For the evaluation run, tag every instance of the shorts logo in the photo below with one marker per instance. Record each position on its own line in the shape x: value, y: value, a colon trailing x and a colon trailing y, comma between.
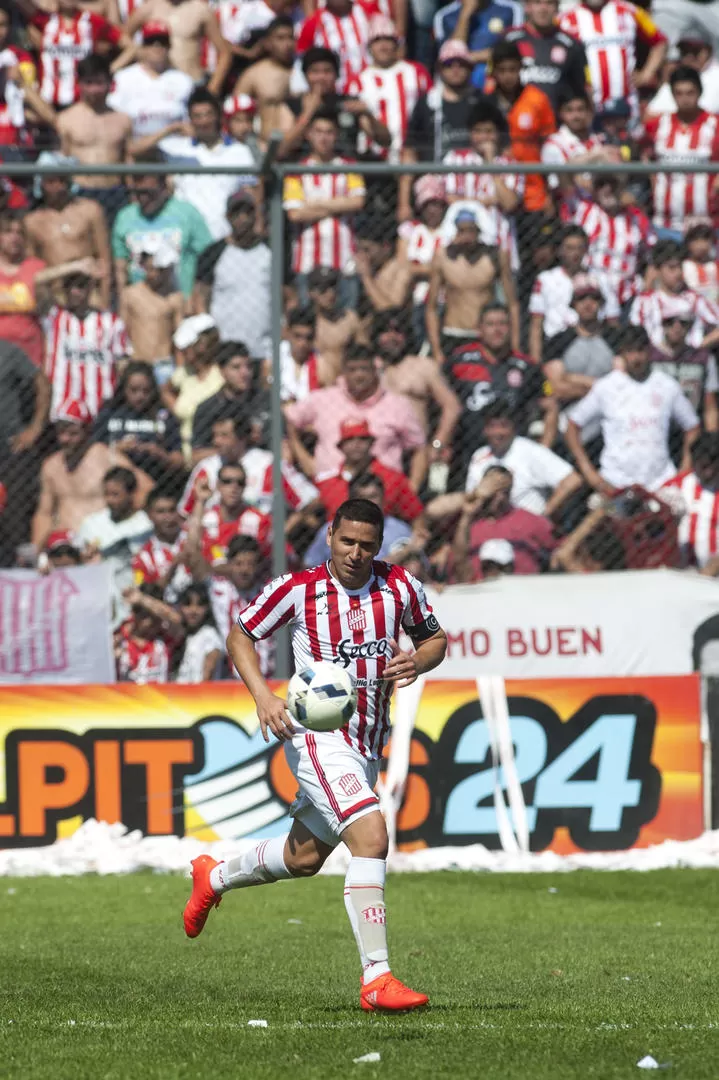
x: 356, y: 619
x: 350, y: 784
x: 376, y: 915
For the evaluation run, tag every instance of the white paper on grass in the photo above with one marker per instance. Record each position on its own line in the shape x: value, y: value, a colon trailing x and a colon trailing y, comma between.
x: 648, y: 1062
x: 367, y: 1058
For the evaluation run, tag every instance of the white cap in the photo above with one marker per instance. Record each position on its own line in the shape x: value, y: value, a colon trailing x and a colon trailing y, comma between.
x: 497, y: 551
x: 189, y: 330
x: 162, y: 254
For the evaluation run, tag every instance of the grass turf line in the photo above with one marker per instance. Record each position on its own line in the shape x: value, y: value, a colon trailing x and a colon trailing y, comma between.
x: 523, y: 982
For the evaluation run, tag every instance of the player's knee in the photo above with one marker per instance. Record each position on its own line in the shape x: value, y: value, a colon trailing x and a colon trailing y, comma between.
x: 369, y: 839
x: 302, y: 863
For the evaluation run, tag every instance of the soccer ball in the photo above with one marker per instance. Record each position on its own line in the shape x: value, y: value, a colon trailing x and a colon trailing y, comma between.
x: 322, y: 697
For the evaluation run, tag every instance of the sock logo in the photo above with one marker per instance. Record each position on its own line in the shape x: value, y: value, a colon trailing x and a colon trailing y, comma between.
x: 377, y: 915
x: 350, y: 784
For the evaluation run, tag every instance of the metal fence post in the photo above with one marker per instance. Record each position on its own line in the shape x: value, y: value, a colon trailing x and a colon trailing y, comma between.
x: 279, y: 558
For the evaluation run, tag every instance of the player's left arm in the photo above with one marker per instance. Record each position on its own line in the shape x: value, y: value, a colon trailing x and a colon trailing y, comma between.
x: 429, y: 639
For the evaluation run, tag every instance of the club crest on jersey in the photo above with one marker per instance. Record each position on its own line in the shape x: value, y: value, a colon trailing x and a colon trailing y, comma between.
x: 350, y: 784
x: 357, y: 619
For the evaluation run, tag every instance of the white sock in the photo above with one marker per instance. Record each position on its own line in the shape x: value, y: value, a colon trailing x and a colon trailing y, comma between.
x: 260, y: 866
x: 364, y: 900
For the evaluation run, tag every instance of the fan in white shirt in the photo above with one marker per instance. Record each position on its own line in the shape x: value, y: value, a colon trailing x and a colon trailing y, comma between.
x: 541, y: 479
x: 151, y: 93
x: 635, y: 408
x: 697, y: 53
x: 203, y: 646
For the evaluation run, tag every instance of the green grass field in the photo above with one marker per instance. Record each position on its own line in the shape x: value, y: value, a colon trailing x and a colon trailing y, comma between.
x: 97, y: 979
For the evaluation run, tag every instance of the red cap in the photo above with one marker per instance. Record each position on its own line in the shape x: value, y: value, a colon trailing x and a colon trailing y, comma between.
x: 73, y: 412
x: 60, y: 538
x: 354, y: 429
x: 155, y: 29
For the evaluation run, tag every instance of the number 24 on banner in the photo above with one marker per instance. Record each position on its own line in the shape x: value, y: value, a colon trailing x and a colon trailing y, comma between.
x: 591, y: 774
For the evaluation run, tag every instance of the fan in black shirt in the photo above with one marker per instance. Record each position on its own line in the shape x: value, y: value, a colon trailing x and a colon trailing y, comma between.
x: 552, y: 60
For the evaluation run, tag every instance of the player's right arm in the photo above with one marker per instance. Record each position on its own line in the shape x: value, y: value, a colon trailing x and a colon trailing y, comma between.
x: 271, y: 709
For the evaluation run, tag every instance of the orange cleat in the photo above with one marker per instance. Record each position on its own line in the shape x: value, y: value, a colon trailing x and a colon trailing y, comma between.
x: 203, y: 897
x: 387, y: 994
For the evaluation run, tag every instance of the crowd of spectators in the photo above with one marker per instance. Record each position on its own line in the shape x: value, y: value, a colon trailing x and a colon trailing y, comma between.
x: 519, y: 369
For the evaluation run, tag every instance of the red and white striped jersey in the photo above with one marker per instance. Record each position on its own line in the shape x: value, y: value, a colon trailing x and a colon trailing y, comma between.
x: 615, y: 243
x: 651, y: 307
x: 82, y: 355
x: 217, y: 534
x: 478, y: 185
x: 609, y: 37
x: 699, y: 525
x: 66, y: 41
x: 127, y: 7
x: 703, y: 278
x: 255, y: 462
x: 678, y: 196
x: 296, y: 383
x: 562, y: 147
x: 551, y: 298
x: 227, y: 606
x: 141, y: 662
x: 152, y: 562
x: 353, y: 629
x: 423, y: 244
x: 391, y: 94
x: 346, y: 35
x: 330, y: 241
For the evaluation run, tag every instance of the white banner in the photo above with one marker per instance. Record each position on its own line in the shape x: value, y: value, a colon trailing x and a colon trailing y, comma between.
x: 642, y: 622
x: 56, y: 629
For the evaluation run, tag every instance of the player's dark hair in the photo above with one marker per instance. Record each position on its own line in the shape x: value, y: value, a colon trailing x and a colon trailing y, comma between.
x: 701, y: 231
x: 229, y: 349
x: 157, y: 493
x: 137, y: 367
x: 239, y: 421
x: 684, y: 73
x: 573, y: 230
x: 93, y: 66
x: 506, y: 50
x: 243, y: 545
x: 498, y: 410
x: 358, y: 352
x: 198, y: 591
x: 302, y: 316
x: 365, y: 480
x: 634, y: 337
x: 318, y: 55
x: 120, y: 475
x: 362, y: 510
x: 574, y: 95
x: 500, y: 469
x: 202, y: 96
x: 665, y: 251
x: 389, y: 318
x: 326, y: 112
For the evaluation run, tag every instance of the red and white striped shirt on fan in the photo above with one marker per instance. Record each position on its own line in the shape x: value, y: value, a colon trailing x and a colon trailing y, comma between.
x: 217, y: 534
x: 152, y: 562
x: 652, y: 307
x: 329, y: 241
x: 66, y: 41
x: 127, y: 7
x: 391, y: 94
x: 227, y: 606
x: 82, y: 356
x: 478, y: 185
x: 616, y: 242
x: 678, y: 196
x: 699, y: 525
x: 353, y: 629
x: 142, y: 663
x: 609, y: 36
x: 563, y: 146
x: 346, y: 35
x: 703, y: 278
x: 298, y: 490
x: 422, y: 244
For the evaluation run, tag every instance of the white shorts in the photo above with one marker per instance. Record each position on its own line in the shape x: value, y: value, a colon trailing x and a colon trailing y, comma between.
x: 336, y: 784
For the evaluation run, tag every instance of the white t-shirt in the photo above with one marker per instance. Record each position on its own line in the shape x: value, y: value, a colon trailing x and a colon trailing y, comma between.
x: 208, y: 192
x: 151, y: 103
x: 536, y: 470
x: 552, y: 297
x: 197, y: 646
x: 118, y: 542
x: 635, y: 418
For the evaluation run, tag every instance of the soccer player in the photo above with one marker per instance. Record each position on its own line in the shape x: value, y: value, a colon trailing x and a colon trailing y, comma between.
x: 349, y: 611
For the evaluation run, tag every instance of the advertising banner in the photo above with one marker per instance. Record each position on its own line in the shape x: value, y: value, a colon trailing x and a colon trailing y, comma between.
x: 643, y: 622
x: 604, y: 764
x: 56, y: 628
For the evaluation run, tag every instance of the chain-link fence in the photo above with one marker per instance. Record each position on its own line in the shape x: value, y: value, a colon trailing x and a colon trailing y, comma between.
x: 199, y: 367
